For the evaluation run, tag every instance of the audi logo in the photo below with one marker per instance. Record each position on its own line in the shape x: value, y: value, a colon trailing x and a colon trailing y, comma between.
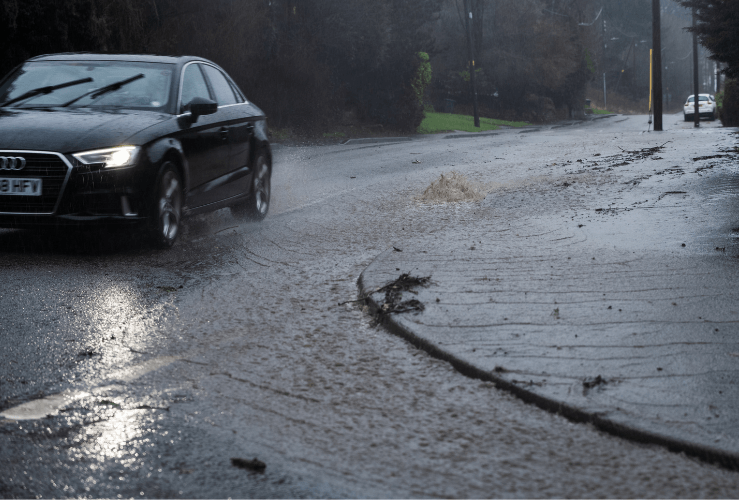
x: 12, y: 163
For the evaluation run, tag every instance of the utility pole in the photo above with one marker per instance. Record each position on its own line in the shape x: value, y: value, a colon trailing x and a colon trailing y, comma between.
x: 473, y: 82
x: 657, y: 46
x: 696, y: 88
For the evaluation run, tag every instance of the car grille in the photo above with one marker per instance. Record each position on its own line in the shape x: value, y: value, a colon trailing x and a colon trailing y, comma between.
x: 49, y: 167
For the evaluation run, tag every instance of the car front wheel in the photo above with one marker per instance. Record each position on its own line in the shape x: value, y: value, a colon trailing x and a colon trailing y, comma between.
x: 257, y: 206
x: 166, y: 210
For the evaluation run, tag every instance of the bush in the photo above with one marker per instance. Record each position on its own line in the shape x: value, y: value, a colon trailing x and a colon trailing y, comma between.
x: 729, y: 104
x: 423, y: 76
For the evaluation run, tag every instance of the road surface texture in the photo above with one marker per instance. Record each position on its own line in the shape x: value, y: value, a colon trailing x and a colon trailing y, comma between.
x: 609, y: 294
x: 129, y: 372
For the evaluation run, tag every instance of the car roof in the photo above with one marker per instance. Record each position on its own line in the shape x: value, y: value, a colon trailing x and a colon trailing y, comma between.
x: 89, y: 56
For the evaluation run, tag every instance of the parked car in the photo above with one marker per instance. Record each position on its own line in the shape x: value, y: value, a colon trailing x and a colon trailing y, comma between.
x: 706, y: 107
x: 132, y: 139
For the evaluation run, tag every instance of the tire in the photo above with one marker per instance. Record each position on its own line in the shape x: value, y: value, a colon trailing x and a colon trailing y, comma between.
x: 688, y: 118
x: 166, y: 208
x: 712, y: 116
x: 257, y: 206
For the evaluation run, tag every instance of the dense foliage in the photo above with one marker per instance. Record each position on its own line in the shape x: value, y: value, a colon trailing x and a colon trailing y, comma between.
x: 313, y: 63
x: 729, y: 104
x: 718, y: 30
x: 532, y: 61
x: 304, y: 61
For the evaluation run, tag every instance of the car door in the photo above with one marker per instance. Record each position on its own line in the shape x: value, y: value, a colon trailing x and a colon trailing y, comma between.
x: 238, y: 124
x: 204, y: 140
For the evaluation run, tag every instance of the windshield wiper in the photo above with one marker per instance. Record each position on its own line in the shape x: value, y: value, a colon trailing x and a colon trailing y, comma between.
x: 104, y: 90
x: 44, y: 90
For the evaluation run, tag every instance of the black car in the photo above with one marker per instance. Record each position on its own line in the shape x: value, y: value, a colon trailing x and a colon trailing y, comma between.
x: 139, y: 139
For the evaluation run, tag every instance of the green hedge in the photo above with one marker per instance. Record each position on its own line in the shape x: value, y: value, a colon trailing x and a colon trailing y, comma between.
x: 728, y: 104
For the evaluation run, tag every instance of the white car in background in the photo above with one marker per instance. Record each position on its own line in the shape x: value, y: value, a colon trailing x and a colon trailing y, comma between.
x: 706, y: 107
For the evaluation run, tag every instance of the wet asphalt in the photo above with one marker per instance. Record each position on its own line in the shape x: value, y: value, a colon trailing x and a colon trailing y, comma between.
x: 235, y: 345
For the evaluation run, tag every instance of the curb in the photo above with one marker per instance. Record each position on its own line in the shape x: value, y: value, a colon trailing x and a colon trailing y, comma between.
x: 376, y: 140
x: 471, y: 135
x: 725, y: 459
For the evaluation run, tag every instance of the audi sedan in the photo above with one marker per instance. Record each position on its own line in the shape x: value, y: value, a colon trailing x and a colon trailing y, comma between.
x: 141, y: 140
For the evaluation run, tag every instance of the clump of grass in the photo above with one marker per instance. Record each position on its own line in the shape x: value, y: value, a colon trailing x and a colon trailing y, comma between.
x: 454, y: 187
x: 446, y: 122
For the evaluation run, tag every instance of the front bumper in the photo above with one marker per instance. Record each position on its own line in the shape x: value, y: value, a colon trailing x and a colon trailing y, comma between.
x: 75, y: 194
x: 53, y: 221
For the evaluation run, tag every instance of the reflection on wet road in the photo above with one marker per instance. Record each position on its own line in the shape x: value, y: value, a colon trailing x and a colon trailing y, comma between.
x: 268, y: 365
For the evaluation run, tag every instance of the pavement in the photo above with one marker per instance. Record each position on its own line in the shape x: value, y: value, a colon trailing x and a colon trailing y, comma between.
x: 611, y: 299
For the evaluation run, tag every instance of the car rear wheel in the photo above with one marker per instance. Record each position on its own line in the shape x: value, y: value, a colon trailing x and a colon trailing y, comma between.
x: 257, y: 206
x: 166, y: 209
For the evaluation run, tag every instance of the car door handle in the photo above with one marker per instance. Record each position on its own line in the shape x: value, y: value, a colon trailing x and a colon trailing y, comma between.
x: 224, y: 133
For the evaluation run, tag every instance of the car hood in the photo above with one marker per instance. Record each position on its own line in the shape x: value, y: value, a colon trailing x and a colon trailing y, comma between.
x: 68, y: 131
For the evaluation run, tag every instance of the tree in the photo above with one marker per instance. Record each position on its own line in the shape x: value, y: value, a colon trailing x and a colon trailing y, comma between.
x: 717, y: 30
x: 302, y: 61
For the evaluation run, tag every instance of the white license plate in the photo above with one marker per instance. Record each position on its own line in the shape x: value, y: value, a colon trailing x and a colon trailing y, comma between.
x: 15, y: 186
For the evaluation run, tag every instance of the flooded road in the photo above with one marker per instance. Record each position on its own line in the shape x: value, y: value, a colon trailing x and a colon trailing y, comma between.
x: 138, y: 373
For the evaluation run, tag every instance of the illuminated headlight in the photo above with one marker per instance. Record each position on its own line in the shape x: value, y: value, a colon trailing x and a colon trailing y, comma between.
x: 124, y: 156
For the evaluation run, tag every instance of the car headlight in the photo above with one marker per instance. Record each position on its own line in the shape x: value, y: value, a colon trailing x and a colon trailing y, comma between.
x: 123, y: 156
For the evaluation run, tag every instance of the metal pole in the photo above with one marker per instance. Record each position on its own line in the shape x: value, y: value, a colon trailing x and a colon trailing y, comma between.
x: 605, y: 93
x: 473, y: 82
x: 696, y: 88
x: 657, y: 46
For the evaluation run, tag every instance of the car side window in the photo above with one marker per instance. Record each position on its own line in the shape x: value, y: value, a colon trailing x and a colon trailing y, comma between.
x: 193, y: 85
x: 221, y: 87
x: 239, y: 96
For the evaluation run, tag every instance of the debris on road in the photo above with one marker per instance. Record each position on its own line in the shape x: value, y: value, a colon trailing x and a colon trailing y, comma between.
x: 589, y: 383
x: 255, y: 465
x: 394, y: 303
x: 713, y: 157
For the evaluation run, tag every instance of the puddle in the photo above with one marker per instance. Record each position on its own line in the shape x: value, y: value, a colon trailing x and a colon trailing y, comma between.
x: 51, y: 405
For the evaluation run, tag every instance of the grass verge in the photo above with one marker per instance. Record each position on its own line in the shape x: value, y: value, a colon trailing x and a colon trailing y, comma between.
x: 435, y: 123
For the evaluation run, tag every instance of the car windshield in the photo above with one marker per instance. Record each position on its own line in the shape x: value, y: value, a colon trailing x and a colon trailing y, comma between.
x: 152, y: 91
x: 701, y: 98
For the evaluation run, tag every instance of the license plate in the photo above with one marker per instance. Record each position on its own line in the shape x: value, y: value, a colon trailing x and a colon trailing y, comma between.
x: 15, y: 186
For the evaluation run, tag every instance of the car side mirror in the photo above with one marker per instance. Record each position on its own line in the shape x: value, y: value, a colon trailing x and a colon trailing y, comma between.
x: 200, y: 106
